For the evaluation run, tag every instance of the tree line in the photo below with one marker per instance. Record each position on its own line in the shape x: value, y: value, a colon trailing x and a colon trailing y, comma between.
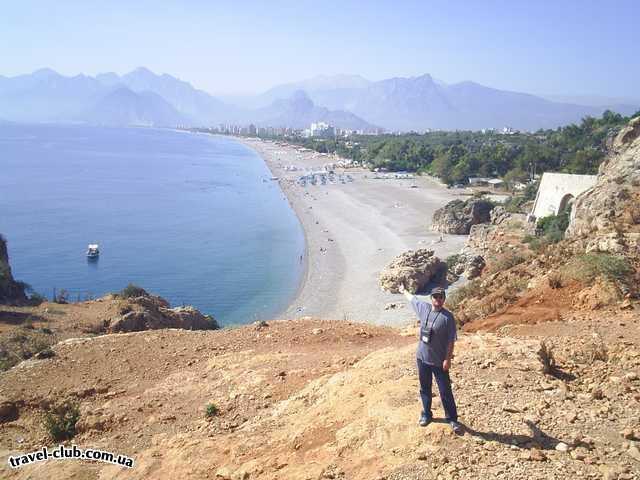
x: 456, y: 156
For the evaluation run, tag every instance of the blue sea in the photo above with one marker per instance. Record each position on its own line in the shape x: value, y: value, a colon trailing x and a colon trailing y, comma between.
x: 193, y: 218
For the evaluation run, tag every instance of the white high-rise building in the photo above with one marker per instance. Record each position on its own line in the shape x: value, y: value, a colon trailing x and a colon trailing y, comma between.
x: 322, y: 130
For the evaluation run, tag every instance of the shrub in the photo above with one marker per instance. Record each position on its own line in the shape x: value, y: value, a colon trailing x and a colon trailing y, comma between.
x: 515, y: 204
x: 554, y: 236
x: 61, y: 297
x: 212, y: 410
x: 538, y: 245
x: 131, y: 291
x: 552, y: 227
x: 513, y: 287
x: 5, y: 364
x: 452, y: 260
x: 61, y: 421
x: 36, y: 299
x: 545, y: 355
x: 22, y: 343
x: 468, y: 290
x: 555, y: 280
x: 585, y: 268
x: 599, y: 350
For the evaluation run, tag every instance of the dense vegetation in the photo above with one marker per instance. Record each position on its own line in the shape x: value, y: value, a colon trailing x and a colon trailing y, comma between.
x: 549, y: 230
x: 456, y: 156
x: 587, y: 267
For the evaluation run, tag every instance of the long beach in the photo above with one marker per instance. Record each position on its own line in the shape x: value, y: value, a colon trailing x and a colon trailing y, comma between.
x: 353, y: 230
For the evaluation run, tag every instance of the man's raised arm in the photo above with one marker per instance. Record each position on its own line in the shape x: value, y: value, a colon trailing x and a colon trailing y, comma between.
x: 406, y: 294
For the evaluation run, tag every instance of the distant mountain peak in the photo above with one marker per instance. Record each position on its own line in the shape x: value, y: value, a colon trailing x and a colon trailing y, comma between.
x: 300, y: 95
x: 142, y: 71
x: 425, y: 77
x: 45, y: 73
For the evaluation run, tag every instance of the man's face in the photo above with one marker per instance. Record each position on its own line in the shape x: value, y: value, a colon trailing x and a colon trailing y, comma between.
x: 437, y: 300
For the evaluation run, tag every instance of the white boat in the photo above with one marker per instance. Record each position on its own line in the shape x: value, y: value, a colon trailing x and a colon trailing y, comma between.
x: 93, y: 250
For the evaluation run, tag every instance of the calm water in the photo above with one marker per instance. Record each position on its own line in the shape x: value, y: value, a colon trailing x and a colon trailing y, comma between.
x: 188, y: 217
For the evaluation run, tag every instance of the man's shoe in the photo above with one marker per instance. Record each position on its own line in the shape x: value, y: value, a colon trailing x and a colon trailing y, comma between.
x: 456, y: 427
x: 424, y: 420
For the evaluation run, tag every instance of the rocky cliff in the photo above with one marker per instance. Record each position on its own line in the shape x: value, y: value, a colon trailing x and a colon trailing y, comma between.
x: 607, y: 217
x: 10, y: 290
x: 502, y: 231
x: 458, y: 216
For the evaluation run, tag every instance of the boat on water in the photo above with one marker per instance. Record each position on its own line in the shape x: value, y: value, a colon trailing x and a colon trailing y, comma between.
x: 93, y: 250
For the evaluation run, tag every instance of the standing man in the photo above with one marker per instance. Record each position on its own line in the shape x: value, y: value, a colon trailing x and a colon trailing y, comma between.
x: 437, y: 336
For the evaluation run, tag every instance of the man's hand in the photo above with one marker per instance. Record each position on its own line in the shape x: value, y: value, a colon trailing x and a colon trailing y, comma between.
x: 403, y: 290
x: 446, y: 365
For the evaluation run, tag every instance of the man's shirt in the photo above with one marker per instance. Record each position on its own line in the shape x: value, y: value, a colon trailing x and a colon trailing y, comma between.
x: 443, y: 328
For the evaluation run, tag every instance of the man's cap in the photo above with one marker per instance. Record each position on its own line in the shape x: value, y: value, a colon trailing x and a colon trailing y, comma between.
x: 438, y: 291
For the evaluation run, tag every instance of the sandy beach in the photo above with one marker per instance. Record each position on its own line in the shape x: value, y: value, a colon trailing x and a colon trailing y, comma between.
x: 353, y: 230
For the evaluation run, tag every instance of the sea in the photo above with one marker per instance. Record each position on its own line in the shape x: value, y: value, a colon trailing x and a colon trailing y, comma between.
x: 194, y: 218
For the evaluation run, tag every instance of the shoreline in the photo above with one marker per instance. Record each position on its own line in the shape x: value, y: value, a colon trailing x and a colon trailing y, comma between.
x: 352, y: 231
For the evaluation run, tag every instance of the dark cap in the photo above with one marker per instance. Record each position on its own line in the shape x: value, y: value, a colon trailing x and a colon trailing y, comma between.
x: 438, y: 291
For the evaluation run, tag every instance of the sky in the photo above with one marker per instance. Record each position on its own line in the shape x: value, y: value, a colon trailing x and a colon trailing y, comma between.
x: 543, y: 47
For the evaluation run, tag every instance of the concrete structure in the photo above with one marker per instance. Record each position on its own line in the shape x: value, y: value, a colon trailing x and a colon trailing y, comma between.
x: 557, y: 192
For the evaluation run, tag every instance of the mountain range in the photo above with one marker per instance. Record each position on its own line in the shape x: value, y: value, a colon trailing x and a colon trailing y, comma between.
x: 421, y: 103
x: 142, y: 97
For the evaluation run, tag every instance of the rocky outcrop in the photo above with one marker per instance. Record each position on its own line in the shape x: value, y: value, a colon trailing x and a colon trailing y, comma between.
x: 458, y: 216
x: 607, y: 217
x: 500, y: 216
x: 493, y: 237
x: 11, y: 292
x: 467, y: 264
x: 151, y: 312
x: 413, y: 269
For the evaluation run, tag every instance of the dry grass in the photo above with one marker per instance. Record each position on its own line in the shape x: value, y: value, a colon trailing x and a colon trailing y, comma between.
x: 505, y: 263
x: 21, y: 344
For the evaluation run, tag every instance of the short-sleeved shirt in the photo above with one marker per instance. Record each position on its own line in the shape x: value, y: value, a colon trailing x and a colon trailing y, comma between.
x: 443, y: 326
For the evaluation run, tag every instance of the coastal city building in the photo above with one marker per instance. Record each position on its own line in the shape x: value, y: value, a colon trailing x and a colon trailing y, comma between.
x: 321, y: 130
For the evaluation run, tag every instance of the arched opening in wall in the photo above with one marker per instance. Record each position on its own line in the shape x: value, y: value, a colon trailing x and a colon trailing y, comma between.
x: 565, y: 204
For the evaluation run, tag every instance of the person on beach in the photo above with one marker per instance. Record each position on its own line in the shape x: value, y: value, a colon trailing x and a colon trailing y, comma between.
x: 437, y: 336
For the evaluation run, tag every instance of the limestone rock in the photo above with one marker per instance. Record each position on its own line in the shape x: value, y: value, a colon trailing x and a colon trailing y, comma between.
x: 467, y: 264
x: 458, y: 216
x: 602, y: 293
x: 413, y: 269
x: 607, y: 217
x: 150, y: 312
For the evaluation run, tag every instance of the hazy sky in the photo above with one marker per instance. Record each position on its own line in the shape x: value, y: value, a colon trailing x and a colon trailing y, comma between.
x: 549, y: 47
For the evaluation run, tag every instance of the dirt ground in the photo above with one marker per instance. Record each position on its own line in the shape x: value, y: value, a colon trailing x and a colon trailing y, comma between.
x: 314, y: 399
